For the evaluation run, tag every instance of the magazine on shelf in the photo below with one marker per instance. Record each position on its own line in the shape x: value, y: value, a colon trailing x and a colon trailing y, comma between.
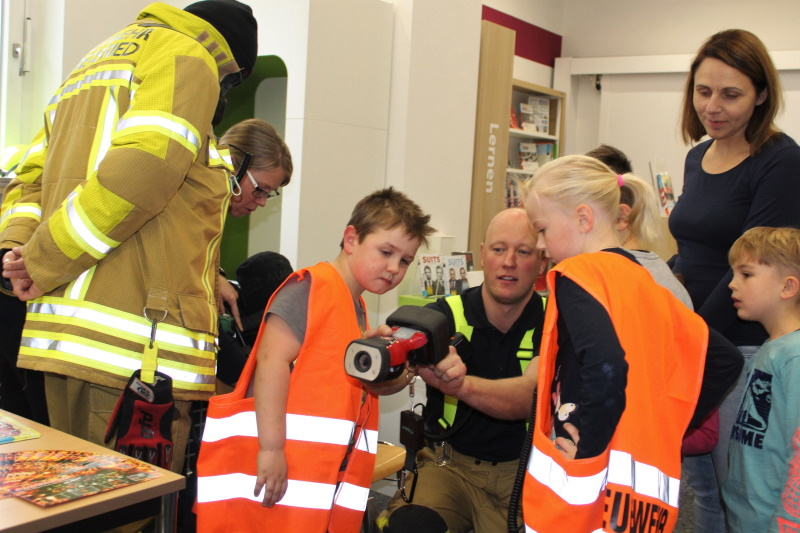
x: 535, y: 154
x: 541, y: 113
x: 455, y: 270
x: 430, y: 269
x: 514, y: 179
x: 527, y: 120
x: 468, y: 256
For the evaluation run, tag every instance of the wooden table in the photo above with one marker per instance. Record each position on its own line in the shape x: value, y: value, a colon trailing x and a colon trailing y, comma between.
x: 98, y: 512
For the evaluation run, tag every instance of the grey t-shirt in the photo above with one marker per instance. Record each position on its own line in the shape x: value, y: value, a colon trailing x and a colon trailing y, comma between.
x: 662, y: 274
x: 291, y: 304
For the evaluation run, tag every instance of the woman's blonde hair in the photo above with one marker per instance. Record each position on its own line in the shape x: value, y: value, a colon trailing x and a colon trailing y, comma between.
x: 577, y: 179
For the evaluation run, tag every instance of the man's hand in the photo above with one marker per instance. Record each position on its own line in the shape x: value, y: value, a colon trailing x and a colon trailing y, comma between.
x: 14, y: 269
x: 229, y: 295
x: 448, y: 375
x: 569, y: 447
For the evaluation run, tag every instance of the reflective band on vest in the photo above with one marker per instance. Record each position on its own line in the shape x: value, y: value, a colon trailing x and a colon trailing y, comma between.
x: 644, y: 479
x: 524, y: 352
x: 352, y: 496
x: 298, y: 427
x: 306, y: 494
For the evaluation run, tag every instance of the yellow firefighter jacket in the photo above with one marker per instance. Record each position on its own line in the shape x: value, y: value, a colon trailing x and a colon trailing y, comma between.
x: 122, y: 197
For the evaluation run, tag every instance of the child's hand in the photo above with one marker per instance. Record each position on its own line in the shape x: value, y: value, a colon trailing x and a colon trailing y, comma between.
x: 569, y: 447
x: 272, y: 476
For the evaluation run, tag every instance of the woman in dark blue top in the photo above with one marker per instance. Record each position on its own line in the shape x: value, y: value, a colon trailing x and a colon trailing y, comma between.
x: 747, y: 174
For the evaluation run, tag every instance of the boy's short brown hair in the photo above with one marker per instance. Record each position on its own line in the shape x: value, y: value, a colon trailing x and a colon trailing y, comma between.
x: 778, y: 247
x: 387, y: 209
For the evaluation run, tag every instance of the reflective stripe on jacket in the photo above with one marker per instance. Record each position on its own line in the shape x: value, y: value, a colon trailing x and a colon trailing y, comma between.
x: 634, y: 484
x: 132, y: 199
x: 331, y: 433
x: 525, y: 352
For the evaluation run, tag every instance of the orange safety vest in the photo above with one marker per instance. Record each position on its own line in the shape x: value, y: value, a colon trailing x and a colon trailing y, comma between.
x: 633, y: 484
x: 331, y: 433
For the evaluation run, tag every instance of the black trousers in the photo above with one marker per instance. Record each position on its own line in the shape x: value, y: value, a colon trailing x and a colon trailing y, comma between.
x: 21, y: 390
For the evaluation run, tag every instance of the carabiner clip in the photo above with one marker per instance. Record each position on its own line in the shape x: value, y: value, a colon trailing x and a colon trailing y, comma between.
x: 401, y: 484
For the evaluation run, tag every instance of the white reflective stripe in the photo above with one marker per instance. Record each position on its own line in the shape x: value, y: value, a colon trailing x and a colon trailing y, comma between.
x: 163, y: 334
x: 32, y: 150
x: 123, y: 77
x: 303, y: 494
x: 107, y: 357
x: 108, y: 128
x: 35, y: 211
x: 319, y: 429
x: 574, y: 490
x: 529, y: 529
x: 169, y: 125
x: 214, y: 155
x: 76, y: 287
x: 368, y: 441
x: 238, y: 425
x: 298, y: 427
x: 83, y: 231
x: 644, y: 479
x: 351, y: 496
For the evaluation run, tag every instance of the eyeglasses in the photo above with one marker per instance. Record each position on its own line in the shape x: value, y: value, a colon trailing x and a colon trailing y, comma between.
x: 258, y: 192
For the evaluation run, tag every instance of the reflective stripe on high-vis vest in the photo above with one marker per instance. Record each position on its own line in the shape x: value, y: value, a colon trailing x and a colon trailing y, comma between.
x: 525, y: 352
x: 331, y: 432
x: 633, y: 486
x: 643, y: 479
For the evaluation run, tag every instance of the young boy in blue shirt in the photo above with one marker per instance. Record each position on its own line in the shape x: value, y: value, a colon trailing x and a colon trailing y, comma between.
x: 762, y: 492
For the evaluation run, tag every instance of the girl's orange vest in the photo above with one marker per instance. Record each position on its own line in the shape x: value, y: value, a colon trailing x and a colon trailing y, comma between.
x: 633, y: 484
x: 331, y: 426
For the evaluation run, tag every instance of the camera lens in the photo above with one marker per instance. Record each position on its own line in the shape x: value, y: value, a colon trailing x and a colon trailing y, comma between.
x: 362, y: 361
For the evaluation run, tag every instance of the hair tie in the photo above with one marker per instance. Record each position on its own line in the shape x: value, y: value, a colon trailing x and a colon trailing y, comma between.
x: 620, y: 180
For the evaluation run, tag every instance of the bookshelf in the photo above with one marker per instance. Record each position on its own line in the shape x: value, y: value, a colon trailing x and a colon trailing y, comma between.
x: 496, y: 165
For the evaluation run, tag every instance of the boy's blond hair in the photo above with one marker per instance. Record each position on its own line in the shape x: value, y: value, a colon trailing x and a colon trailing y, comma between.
x: 777, y: 247
x: 387, y: 209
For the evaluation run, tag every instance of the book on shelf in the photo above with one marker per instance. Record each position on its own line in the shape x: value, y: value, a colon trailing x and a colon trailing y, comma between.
x: 541, y: 113
x: 513, y: 123
x: 468, y: 256
x: 532, y: 155
x: 527, y: 120
x: 514, y: 179
x: 455, y: 267
x: 665, y: 193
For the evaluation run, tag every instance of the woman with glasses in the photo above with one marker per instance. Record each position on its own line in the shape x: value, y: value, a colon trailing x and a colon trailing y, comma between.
x: 262, y: 164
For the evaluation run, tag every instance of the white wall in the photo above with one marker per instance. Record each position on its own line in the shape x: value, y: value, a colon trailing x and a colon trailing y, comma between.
x: 639, y: 113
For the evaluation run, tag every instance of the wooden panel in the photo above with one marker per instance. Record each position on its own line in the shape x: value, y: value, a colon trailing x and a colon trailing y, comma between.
x: 491, y: 128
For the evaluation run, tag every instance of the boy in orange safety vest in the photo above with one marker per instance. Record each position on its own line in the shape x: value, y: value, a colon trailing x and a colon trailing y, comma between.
x: 310, y: 467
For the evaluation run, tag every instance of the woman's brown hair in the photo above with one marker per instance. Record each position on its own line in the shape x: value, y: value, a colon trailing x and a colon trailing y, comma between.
x: 746, y: 53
